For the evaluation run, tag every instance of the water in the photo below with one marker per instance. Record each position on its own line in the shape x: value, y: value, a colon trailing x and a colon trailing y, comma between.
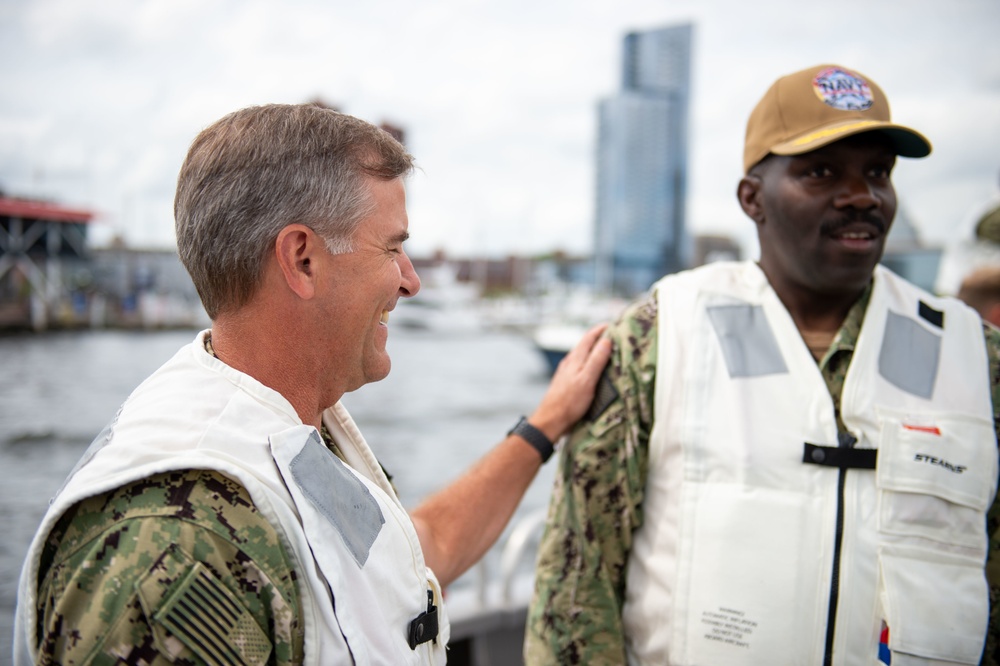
x: 448, y: 399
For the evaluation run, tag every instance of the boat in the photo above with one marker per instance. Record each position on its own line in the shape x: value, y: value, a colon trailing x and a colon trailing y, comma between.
x: 566, y: 324
x: 555, y: 340
x: 488, y: 621
x: 442, y: 305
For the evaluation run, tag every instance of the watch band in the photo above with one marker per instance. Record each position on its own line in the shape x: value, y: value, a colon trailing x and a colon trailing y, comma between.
x: 533, y: 436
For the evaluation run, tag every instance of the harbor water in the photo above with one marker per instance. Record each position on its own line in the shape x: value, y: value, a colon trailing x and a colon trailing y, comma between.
x: 449, y: 397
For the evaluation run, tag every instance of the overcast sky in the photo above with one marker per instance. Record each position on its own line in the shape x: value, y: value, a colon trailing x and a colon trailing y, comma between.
x: 100, y: 100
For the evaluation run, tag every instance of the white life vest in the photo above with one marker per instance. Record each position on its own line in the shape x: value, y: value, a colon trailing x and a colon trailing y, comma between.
x: 748, y: 510
x: 361, y: 570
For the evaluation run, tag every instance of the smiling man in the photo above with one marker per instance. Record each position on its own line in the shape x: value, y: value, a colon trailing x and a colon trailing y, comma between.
x: 231, y: 513
x: 756, y: 484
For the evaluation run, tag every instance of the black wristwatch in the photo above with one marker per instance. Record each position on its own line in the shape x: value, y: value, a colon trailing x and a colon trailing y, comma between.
x: 533, y: 436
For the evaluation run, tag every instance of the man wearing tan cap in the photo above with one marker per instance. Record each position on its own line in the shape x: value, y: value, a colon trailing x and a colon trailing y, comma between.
x: 790, y: 461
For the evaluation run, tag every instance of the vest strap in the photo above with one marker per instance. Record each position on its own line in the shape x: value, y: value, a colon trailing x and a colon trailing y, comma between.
x: 424, y: 627
x: 837, y: 456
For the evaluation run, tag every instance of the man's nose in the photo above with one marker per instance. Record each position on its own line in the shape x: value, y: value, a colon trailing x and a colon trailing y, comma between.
x: 410, y: 282
x: 858, y: 193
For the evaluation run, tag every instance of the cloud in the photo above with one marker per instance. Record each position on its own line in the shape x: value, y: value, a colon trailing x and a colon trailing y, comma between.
x: 498, y: 99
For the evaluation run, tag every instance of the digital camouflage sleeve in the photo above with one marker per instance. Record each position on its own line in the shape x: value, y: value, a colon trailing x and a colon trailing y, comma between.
x: 179, y: 568
x: 575, y: 615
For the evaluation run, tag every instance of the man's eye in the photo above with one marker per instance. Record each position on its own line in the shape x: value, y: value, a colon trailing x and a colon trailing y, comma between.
x: 819, y: 172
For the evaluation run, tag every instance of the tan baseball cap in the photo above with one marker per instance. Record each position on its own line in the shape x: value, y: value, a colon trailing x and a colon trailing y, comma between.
x: 814, y: 107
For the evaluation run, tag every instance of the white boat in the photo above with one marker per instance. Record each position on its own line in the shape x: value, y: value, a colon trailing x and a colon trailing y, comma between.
x: 488, y: 621
x: 566, y: 326
x: 554, y: 341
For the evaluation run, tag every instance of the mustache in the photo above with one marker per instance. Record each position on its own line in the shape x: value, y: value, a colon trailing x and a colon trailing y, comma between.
x: 853, y: 217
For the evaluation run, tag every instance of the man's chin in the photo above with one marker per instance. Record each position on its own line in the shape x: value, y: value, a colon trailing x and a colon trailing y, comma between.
x: 379, y: 371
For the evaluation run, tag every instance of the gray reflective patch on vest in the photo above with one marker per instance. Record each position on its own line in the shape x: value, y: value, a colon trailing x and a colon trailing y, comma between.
x: 339, y: 496
x: 909, y: 355
x: 747, y: 342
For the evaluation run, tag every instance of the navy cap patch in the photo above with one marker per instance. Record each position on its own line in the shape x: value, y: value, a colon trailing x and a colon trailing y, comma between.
x: 843, y: 90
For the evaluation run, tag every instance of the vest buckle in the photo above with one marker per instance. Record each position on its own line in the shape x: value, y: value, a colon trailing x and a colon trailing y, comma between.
x: 424, y: 627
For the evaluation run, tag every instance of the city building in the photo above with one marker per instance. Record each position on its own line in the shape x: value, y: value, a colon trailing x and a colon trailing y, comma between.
x: 43, y: 247
x: 642, y: 164
x: 51, y: 279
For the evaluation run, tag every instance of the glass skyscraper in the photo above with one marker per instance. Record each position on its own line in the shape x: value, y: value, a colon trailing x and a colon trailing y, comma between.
x: 642, y: 164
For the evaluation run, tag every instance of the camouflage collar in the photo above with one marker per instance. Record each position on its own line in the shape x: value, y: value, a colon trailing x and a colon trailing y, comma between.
x: 208, y: 345
x: 847, y: 335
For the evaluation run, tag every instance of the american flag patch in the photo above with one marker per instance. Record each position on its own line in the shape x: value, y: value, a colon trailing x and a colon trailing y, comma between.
x: 884, y: 655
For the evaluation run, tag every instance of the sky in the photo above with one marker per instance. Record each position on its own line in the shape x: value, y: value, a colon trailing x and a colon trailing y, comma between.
x: 99, y: 101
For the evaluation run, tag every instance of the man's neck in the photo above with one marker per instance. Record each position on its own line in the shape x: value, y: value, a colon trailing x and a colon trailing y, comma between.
x: 822, y: 317
x: 266, y: 358
x: 812, y: 312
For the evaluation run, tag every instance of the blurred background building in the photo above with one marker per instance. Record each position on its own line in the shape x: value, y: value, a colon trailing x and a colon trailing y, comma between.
x: 640, y: 230
x: 43, y: 247
x: 50, y: 277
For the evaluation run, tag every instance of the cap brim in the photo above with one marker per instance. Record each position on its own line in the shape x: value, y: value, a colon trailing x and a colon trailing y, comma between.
x: 908, y: 142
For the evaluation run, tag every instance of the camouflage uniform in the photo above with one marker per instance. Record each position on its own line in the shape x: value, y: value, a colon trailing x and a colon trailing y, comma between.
x: 178, y: 568
x: 597, y: 501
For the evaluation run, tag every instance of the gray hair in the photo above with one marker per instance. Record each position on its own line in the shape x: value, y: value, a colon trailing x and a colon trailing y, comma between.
x: 257, y: 170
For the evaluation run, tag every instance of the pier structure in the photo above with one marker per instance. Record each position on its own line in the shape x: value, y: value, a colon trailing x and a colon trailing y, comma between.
x: 39, y: 243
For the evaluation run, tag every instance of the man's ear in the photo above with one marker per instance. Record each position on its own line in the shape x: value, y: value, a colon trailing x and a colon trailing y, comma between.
x: 296, y: 249
x: 748, y: 194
